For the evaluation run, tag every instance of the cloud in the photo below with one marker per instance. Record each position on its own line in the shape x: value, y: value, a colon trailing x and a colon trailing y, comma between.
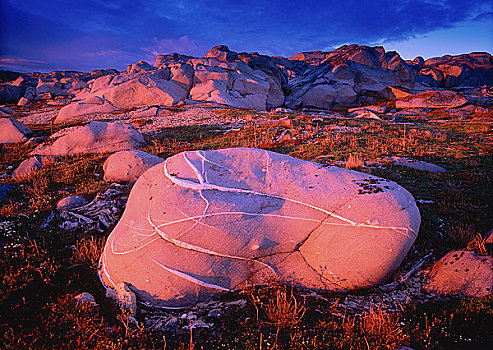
x: 22, y: 63
x: 93, y: 34
x: 183, y: 45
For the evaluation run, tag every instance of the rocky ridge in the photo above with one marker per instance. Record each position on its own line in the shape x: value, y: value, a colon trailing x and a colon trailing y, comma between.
x: 348, y: 76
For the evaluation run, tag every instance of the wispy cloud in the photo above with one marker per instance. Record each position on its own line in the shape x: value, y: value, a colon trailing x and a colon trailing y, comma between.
x: 183, y: 45
x: 22, y: 63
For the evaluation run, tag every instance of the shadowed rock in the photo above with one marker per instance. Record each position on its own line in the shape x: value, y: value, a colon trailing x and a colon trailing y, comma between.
x: 205, y: 222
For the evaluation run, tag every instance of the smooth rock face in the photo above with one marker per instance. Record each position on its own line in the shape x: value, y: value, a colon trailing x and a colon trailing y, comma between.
x: 13, y: 131
x: 462, y: 273
x: 205, y: 222
x: 143, y: 90
x: 95, y: 137
x: 76, y: 109
x: 126, y: 166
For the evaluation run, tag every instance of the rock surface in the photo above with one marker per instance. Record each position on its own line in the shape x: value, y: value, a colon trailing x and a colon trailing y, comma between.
x: 13, y: 131
x: 29, y: 166
x: 205, y: 222
x: 348, y: 76
x: 71, y: 202
x: 462, y: 273
x: 433, y: 99
x: 95, y: 137
x: 126, y: 166
x: 418, y: 165
x: 70, y: 112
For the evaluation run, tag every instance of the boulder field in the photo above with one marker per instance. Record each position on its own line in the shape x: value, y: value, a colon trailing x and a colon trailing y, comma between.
x: 349, y: 76
x: 206, y: 222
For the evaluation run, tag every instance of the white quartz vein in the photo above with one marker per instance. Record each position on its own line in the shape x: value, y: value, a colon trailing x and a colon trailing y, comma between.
x: 190, y: 278
x: 203, y: 185
x: 189, y: 246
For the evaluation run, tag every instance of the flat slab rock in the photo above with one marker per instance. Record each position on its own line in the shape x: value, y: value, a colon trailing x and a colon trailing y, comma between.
x: 95, y: 137
x: 418, y: 165
x: 206, y: 222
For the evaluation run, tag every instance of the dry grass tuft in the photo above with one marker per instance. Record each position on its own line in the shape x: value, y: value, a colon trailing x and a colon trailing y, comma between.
x: 37, y: 189
x: 88, y: 250
x: 354, y: 162
x: 377, y: 322
x: 283, y: 310
x: 9, y: 209
x: 478, y: 244
x: 459, y: 235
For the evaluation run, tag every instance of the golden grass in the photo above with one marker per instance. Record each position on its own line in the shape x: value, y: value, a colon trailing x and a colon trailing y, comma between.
x: 88, y: 250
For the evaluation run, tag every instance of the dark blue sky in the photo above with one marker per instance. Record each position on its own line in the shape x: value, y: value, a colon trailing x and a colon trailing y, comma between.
x: 44, y: 35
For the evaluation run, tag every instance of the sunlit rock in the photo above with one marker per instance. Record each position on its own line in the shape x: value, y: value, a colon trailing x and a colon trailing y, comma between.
x: 95, y: 137
x: 432, y: 99
x: 72, y: 111
x: 206, y: 222
x: 462, y: 273
x: 126, y: 166
x: 13, y: 131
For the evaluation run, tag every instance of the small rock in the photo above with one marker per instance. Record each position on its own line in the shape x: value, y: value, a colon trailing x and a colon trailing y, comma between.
x: 27, y: 167
x: 71, y: 202
x: 283, y: 110
x: 13, y: 131
x: 199, y: 324
x: 462, y: 273
x: 215, y: 313
x: 418, y: 165
x: 86, y: 297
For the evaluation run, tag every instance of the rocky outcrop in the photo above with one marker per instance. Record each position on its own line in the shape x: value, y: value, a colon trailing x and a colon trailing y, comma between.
x: 349, y: 76
x: 205, y: 222
x: 473, y: 69
x: 95, y: 137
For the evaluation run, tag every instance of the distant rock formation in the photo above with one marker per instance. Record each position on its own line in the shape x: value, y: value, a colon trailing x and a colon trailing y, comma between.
x: 349, y: 76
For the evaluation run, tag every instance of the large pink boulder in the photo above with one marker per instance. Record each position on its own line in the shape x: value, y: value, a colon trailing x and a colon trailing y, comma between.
x: 126, y: 166
x: 13, y: 131
x: 205, y: 222
x: 95, y: 137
